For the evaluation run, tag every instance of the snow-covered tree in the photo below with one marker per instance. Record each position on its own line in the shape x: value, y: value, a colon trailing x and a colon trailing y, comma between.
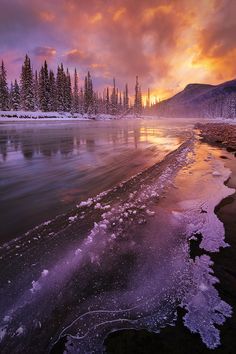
x: 4, y: 93
x: 27, y: 86
x: 44, y: 88
x: 126, y: 98
x: 75, y: 97
x: 67, y: 92
x: 107, y: 101
x: 15, y: 96
x: 60, y: 81
x: 36, y: 91
x: 88, y: 94
x: 114, y: 99
x: 81, y: 101
x: 52, y: 104
x: 137, y: 98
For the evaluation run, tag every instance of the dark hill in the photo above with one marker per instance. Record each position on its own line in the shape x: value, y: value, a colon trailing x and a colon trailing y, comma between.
x: 201, y: 100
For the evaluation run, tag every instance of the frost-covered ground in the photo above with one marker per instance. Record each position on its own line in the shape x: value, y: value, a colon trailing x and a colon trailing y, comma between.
x: 121, y: 260
x: 14, y: 116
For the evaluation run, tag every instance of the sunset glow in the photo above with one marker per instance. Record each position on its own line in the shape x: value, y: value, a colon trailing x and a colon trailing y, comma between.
x: 167, y: 43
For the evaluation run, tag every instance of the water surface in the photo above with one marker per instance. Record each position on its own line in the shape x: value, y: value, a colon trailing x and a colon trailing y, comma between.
x: 45, y: 168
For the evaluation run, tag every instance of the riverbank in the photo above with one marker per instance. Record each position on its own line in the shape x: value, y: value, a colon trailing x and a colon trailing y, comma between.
x: 178, y: 339
x: 16, y: 116
x: 221, y: 134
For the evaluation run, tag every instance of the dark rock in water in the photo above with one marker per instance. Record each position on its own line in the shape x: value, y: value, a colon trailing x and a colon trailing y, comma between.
x: 59, y: 347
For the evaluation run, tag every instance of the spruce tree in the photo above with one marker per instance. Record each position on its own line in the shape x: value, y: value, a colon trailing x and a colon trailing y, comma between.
x: 126, y: 98
x: 120, y: 102
x: 67, y: 92
x: 75, y: 104
x: 114, y: 98
x: 4, y: 93
x: 107, y: 101
x: 60, y: 88
x: 15, y: 97
x: 138, y: 98
x: 148, y: 99
x: 26, y: 86
x: 81, y: 101
x: 36, y: 91
x: 88, y: 94
x: 44, y: 88
x: 52, y: 105
x: 10, y: 94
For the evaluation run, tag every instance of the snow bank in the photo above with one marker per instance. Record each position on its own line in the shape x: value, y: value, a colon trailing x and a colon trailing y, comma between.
x: 23, y: 115
x: 6, y: 116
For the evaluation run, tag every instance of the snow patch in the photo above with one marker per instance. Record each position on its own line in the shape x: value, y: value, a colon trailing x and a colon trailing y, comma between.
x: 72, y: 218
x: 20, y: 331
x: 44, y: 273
x: 35, y: 286
x: 3, y: 331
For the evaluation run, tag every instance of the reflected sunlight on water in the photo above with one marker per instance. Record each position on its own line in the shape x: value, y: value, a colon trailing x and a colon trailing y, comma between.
x: 47, y: 168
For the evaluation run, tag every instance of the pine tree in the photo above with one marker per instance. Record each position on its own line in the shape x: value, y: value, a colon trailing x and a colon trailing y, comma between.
x: 126, y: 98
x: 95, y: 103
x: 15, y: 97
x: 60, y: 88
x: 75, y: 104
x: 67, y: 92
x: 52, y: 104
x: 88, y: 94
x: 138, y: 98
x: 120, y: 102
x: 26, y: 86
x: 114, y: 98
x: 4, y: 93
x: 107, y: 101
x: 10, y: 95
x: 36, y: 91
x: 81, y: 101
x: 44, y: 88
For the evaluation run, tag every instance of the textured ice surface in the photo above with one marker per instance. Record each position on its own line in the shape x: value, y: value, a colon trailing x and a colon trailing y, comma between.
x: 205, y: 307
x: 124, y: 262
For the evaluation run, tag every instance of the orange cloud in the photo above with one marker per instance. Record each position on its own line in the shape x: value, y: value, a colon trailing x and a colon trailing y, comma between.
x: 96, y: 18
x: 47, y: 16
x: 118, y: 14
x: 167, y: 43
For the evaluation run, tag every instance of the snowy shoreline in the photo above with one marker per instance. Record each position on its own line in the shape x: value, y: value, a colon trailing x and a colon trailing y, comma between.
x: 16, y: 116
x: 12, y: 116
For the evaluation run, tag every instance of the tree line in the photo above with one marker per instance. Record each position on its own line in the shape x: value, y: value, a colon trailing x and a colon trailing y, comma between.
x: 50, y: 92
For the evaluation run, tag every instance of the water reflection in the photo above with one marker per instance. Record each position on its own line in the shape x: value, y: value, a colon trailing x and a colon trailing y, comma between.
x: 48, y: 141
x: 46, y: 168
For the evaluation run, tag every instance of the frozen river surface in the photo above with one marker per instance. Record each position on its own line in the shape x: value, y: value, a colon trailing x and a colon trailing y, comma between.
x: 102, y: 261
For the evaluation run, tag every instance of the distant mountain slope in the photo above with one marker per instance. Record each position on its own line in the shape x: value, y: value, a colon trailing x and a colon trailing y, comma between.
x: 201, y: 100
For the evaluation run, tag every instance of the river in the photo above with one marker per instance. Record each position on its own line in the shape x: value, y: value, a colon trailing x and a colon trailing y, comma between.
x: 97, y: 219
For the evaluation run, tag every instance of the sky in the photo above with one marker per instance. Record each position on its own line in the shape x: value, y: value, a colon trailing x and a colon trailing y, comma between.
x: 168, y: 44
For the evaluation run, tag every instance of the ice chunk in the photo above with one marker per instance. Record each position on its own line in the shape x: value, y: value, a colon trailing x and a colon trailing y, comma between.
x: 216, y: 174
x: 3, y: 331
x: 78, y: 251
x: 150, y: 213
x: 97, y: 206
x: 44, y: 273
x: 20, y: 331
x: 72, y: 218
x: 35, y: 286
